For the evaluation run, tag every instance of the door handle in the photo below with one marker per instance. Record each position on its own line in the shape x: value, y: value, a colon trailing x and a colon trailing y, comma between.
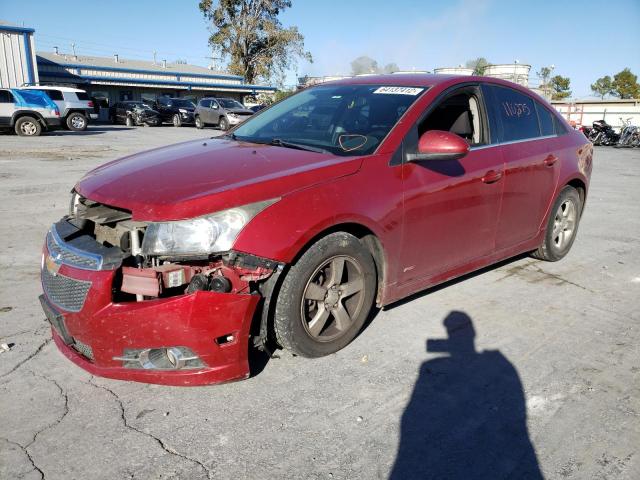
x: 492, y: 176
x: 550, y: 160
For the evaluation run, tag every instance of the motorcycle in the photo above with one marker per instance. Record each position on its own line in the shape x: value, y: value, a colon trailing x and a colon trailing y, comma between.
x: 629, y: 135
x: 602, y: 133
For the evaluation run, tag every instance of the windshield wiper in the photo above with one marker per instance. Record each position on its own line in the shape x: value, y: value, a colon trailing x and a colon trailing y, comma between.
x: 281, y: 143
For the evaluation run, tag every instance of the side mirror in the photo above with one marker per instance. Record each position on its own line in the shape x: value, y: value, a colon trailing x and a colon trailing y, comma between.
x: 439, y: 145
x: 214, y: 105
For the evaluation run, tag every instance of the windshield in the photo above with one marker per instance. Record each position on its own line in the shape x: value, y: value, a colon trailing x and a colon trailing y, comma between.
x: 341, y: 119
x: 229, y: 103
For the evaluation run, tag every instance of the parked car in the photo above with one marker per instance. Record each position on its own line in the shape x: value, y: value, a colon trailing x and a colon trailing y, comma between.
x: 74, y: 104
x: 134, y: 113
x: 287, y: 231
x: 27, y: 112
x: 223, y: 112
x: 178, y: 111
x: 257, y: 108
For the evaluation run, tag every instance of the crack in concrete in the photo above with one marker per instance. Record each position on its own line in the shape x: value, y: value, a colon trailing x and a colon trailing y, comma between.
x: 26, y: 452
x: 19, y: 364
x: 158, y: 440
x: 26, y: 447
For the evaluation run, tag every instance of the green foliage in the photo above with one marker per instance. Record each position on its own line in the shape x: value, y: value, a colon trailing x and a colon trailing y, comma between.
x: 602, y: 86
x: 365, y: 64
x: 281, y: 95
x: 560, y: 87
x: 478, y: 64
x: 625, y: 84
x: 249, y: 34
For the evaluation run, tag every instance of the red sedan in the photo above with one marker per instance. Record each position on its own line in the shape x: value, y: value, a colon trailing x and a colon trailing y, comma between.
x: 286, y: 232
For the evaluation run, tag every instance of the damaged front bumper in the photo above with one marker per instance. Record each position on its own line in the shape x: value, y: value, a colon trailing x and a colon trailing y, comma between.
x: 193, y: 338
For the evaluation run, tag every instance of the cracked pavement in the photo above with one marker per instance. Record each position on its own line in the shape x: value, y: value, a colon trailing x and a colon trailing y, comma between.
x: 570, y: 330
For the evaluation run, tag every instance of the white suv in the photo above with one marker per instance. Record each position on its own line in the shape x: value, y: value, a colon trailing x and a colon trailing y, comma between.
x: 73, y: 103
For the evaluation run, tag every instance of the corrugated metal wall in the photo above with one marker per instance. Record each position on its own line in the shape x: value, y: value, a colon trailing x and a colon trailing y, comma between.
x: 17, y: 59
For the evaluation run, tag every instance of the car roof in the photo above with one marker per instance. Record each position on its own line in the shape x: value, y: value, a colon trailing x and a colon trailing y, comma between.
x: 52, y: 87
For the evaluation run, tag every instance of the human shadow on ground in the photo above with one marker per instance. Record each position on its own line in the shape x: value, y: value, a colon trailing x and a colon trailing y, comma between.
x: 467, y: 416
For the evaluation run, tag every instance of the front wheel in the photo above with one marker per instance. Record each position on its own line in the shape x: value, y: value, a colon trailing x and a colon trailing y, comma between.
x: 199, y: 123
x: 177, y: 121
x: 562, y: 226
x: 129, y: 121
x: 77, y: 122
x: 223, y: 124
x: 325, y: 297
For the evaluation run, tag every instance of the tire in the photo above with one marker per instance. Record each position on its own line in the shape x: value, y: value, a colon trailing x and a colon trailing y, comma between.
x: 77, y: 122
x: 223, y: 123
x: 562, y: 226
x: 199, y: 123
x: 129, y: 122
x: 310, y: 321
x: 177, y: 121
x: 28, y: 127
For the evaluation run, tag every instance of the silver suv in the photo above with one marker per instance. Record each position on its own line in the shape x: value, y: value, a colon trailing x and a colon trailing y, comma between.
x: 223, y: 112
x: 73, y: 103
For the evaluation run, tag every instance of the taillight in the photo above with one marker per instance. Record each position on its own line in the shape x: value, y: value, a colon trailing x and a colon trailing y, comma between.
x: 90, y: 104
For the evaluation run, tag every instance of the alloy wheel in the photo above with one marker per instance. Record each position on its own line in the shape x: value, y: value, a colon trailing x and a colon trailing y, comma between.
x: 28, y: 128
x: 564, y: 224
x: 332, y: 298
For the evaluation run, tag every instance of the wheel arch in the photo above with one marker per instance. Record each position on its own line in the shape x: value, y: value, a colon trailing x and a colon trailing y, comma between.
x: 580, y: 186
x: 27, y: 113
x: 367, y: 237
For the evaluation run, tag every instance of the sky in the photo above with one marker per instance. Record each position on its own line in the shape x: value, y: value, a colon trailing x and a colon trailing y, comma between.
x: 584, y: 39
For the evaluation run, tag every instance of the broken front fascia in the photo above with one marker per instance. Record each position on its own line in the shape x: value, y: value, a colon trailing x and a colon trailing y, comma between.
x: 175, y: 326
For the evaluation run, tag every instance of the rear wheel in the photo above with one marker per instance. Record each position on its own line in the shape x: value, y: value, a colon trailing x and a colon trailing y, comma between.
x: 325, y: 297
x: 77, y: 122
x: 177, y: 121
x: 223, y: 124
x: 28, y: 127
x: 562, y: 226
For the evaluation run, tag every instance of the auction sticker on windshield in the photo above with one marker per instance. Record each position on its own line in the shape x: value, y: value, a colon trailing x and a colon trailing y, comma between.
x: 399, y: 90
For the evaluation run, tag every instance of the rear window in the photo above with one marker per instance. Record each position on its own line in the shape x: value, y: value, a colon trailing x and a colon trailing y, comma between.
x: 517, y: 114
x: 82, y: 95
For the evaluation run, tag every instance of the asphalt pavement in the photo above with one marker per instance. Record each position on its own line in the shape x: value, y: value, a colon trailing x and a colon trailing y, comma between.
x: 524, y: 370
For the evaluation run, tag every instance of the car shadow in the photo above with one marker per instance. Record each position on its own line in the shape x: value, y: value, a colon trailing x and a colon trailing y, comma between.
x: 467, y: 414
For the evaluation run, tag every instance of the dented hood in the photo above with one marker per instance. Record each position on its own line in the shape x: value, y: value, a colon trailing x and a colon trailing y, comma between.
x: 203, y: 176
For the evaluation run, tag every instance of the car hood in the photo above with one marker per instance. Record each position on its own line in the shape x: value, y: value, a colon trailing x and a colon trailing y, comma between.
x: 240, y: 111
x: 198, y: 177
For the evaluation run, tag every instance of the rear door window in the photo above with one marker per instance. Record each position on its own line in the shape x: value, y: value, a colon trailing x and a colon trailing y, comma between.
x: 6, y: 97
x: 54, y: 94
x: 516, y: 113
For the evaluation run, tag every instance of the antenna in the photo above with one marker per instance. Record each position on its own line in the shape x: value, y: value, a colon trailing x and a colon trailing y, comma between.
x: 154, y: 56
x: 73, y: 48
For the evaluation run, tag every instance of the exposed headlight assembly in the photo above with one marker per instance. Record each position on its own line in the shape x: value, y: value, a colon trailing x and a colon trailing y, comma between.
x: 202, y: 235
x: 183, y: 110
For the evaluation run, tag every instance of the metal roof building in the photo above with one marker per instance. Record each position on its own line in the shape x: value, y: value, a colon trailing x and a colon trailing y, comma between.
x: 118, y: 79
x: 17, y: 56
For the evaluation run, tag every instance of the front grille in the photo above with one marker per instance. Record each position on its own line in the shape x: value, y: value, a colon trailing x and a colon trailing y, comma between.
x: 64, y: 292
x: 83, y: 348
x: 65, y: 255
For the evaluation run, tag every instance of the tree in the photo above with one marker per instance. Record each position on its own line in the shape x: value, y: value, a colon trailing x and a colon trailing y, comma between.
x: 603, y: 86
x: 544, y: 73
x: 364, y: 64
x: 625, y: 84
x: 560, y: 87
x: 478, y: 64
x: 249, y: 34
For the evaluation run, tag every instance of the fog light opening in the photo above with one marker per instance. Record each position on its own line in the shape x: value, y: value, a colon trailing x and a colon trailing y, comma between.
x: 168, y: 358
